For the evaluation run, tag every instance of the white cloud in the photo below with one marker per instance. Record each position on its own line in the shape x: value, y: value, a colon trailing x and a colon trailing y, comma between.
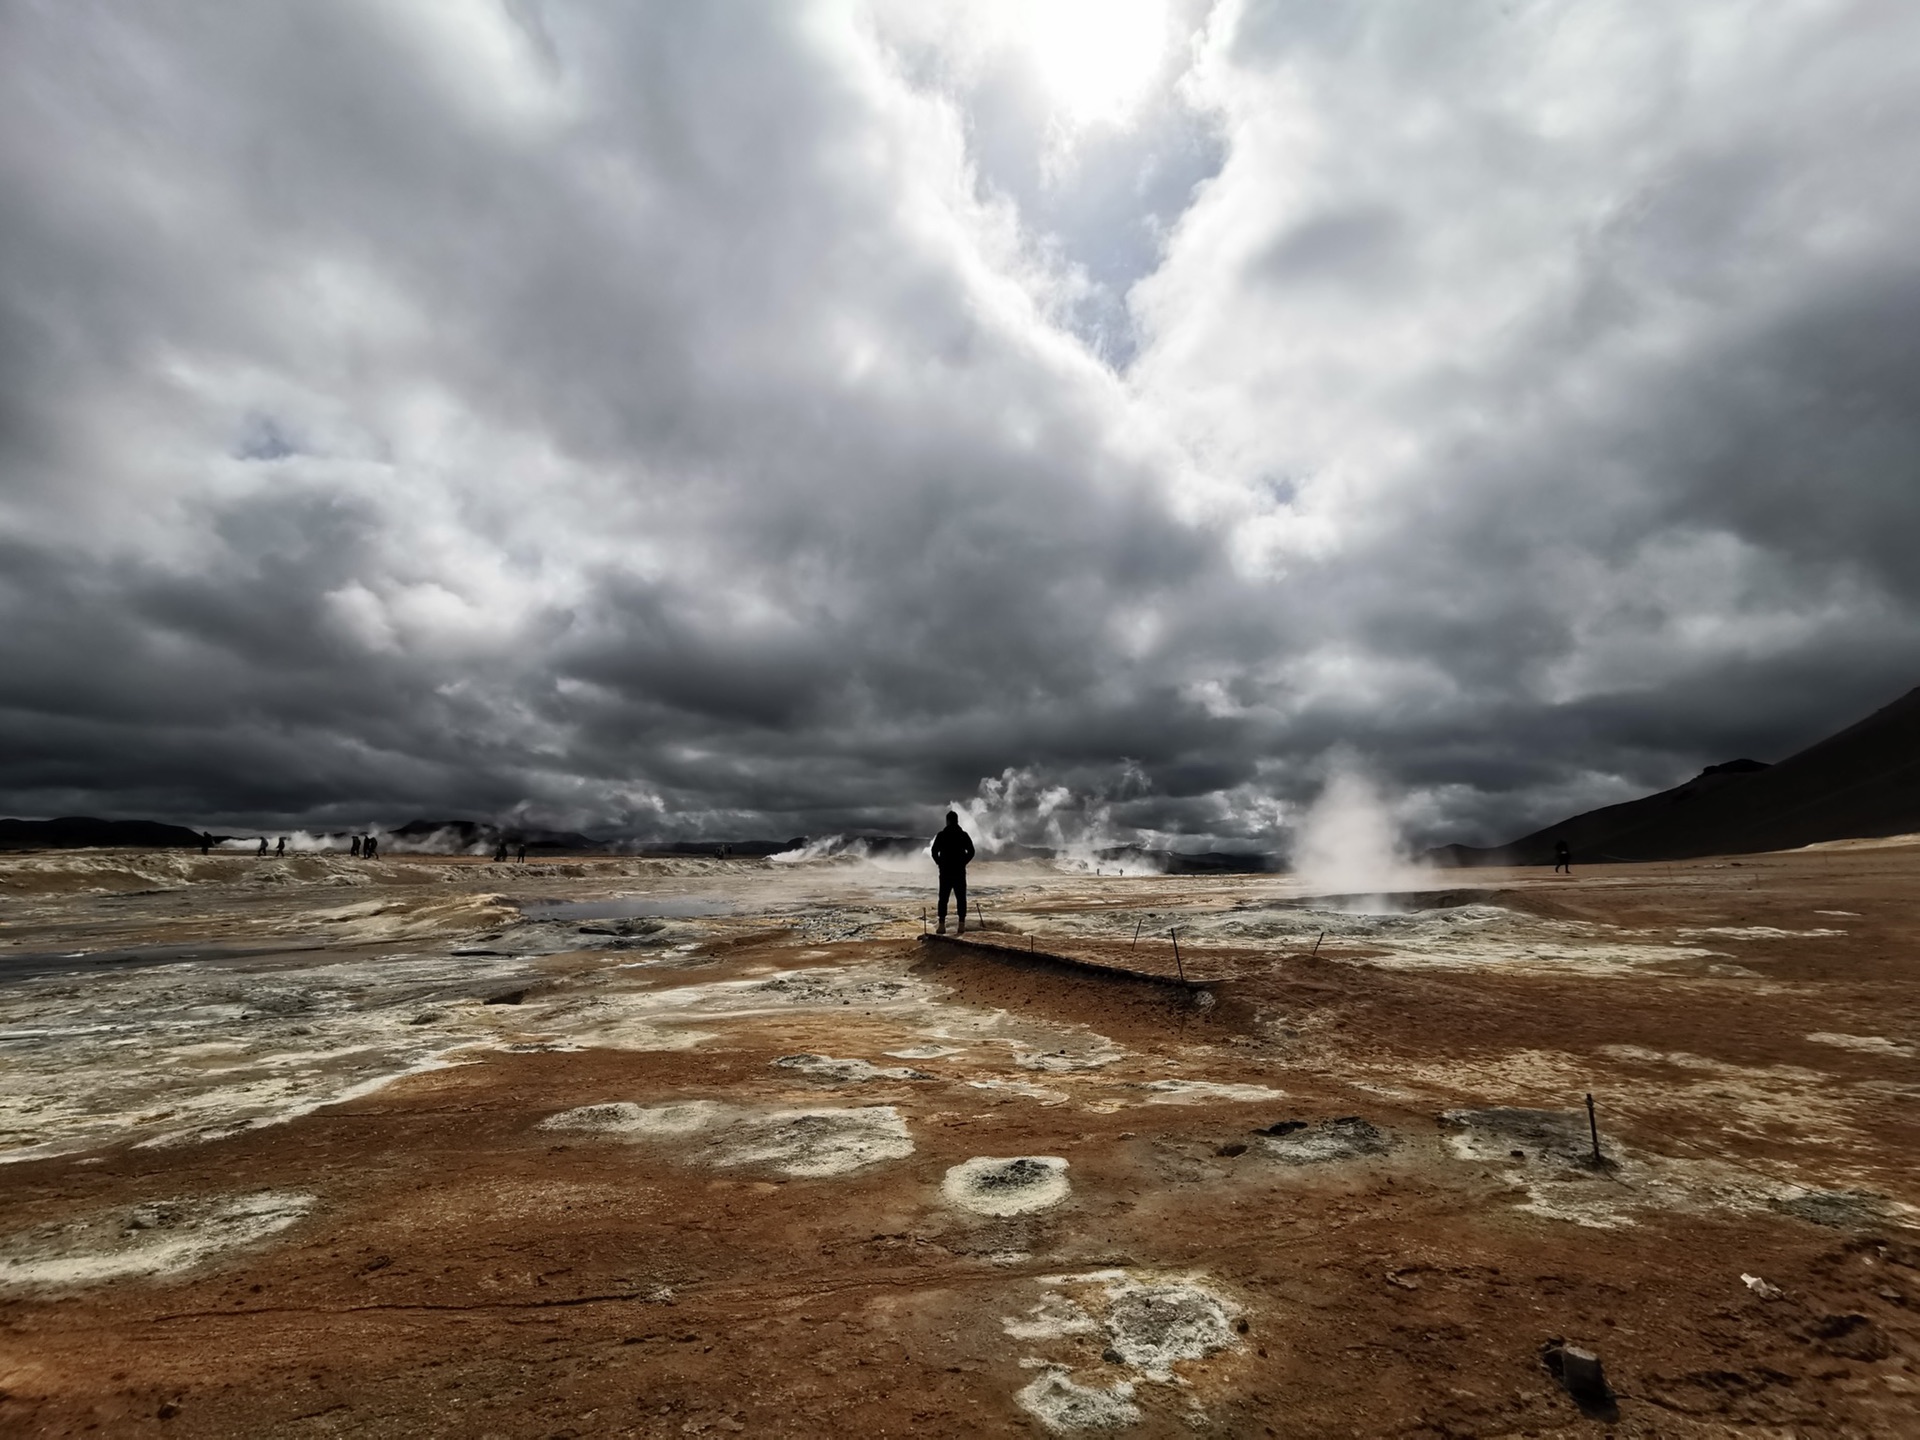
x: 763, y: 419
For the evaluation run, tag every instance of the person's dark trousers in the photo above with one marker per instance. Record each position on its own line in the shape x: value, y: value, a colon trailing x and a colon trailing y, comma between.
x: 953, y: 882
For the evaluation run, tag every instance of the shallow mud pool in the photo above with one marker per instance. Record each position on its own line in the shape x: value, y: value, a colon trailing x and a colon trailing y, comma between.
x: 431, y: 1146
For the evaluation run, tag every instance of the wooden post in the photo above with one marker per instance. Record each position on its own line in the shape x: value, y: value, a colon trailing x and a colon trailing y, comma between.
x: 1593, y: 1128
x: 1136, y: 932
x: 1316, y: 944
x: 1175, y: 933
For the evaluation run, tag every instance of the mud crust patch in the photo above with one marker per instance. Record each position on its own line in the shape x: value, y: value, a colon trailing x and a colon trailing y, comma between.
x: 1014, y: 1185
x: 1543, y: 1134
x: 847, y: 1072
x: 1063, y: 1406
x: 1837, y: 1209
x: 805, y: 1144
x: 1152, y: 1326
x: 826, y: 987
x: 1195, y: 1092
x: 808, y: 1144
x: 1145, y: 1325
x: 622, y: 1117
x: 159, y: 1237
x: 1325, y: 1143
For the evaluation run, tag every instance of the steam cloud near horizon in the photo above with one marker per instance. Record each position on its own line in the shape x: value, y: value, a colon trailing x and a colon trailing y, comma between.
x: 1349, y: 842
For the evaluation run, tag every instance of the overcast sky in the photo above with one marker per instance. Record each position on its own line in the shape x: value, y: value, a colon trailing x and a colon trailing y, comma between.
x: 711, y: 418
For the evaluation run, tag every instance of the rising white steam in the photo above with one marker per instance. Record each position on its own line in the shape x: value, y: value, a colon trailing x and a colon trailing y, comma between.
x: 299, y: 842
x: 1018, y: 810
x: 1014, y: 815
x: 445, y: 841
x: 1349, y: 843
x: 855, y: 850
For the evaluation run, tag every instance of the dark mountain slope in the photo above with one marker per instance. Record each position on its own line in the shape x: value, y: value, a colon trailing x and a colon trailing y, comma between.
x: 1864, y: 781
x: 76, y: 832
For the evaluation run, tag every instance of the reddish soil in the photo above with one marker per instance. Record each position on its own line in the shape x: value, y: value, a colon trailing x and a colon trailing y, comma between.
x: 468, y: 1273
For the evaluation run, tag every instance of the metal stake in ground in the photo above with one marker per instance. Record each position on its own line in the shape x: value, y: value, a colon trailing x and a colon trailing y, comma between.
x: 1593, y: 1128
x: 1316, y: 944
x: 1175, y: 933
x: 1136, y: 932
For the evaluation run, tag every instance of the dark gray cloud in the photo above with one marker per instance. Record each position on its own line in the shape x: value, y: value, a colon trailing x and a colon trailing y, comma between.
x: 778, y: 418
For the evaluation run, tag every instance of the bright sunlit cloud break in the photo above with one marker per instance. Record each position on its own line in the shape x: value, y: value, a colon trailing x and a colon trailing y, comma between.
x: 1095, y: 58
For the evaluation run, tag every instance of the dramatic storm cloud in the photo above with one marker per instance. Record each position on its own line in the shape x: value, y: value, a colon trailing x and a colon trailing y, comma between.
x: 777, y: 418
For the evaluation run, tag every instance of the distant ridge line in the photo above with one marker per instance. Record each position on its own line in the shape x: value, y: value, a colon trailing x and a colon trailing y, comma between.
x: 1861, y: 783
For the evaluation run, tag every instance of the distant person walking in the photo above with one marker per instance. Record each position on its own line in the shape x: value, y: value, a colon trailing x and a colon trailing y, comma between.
x: 951, y: 850
x: 523, y: 854
x: 280, y: 850
x: 354, y: 850
x: 263, y: 846
x: 369, y: 848
x: 206, y: 842
x: 1562, y: 857
x: 501, y: 853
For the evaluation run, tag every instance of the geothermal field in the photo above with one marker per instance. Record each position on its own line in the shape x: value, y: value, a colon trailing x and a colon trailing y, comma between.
x: 431, y: 1146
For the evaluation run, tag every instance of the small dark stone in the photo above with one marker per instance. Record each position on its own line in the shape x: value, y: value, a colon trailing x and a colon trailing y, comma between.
x: 1236, y: 1148
x: 1110, y: 1355
x: 167, y: 1410
x: 1580, y: 1374
x: 1853, y: 1337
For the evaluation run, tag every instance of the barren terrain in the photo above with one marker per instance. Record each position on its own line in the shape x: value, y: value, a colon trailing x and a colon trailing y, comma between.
x: 428, y: 1146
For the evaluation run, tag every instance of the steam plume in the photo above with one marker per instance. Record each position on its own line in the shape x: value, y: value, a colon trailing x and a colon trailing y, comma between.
x: 1349, y: 843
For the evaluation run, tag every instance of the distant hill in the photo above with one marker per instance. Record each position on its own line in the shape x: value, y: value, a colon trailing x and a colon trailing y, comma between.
x: 1860, y: 783
x: 80, y: 832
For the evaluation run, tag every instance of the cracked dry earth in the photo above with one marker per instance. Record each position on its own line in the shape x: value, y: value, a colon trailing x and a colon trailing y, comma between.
x: 432, y: 1147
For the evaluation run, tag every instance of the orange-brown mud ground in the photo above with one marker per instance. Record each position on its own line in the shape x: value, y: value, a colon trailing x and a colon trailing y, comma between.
x: 319, y: 1147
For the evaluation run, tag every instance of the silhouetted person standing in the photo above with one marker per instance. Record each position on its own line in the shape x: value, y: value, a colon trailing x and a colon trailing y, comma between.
x: 369, y: 848
x: 206, y: 842
x: 263, y: 846
x: 1562, y: 857
x: 952, y: 849
x: 354, y: 851
x: 280, y: 850
x: 523, y: 853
